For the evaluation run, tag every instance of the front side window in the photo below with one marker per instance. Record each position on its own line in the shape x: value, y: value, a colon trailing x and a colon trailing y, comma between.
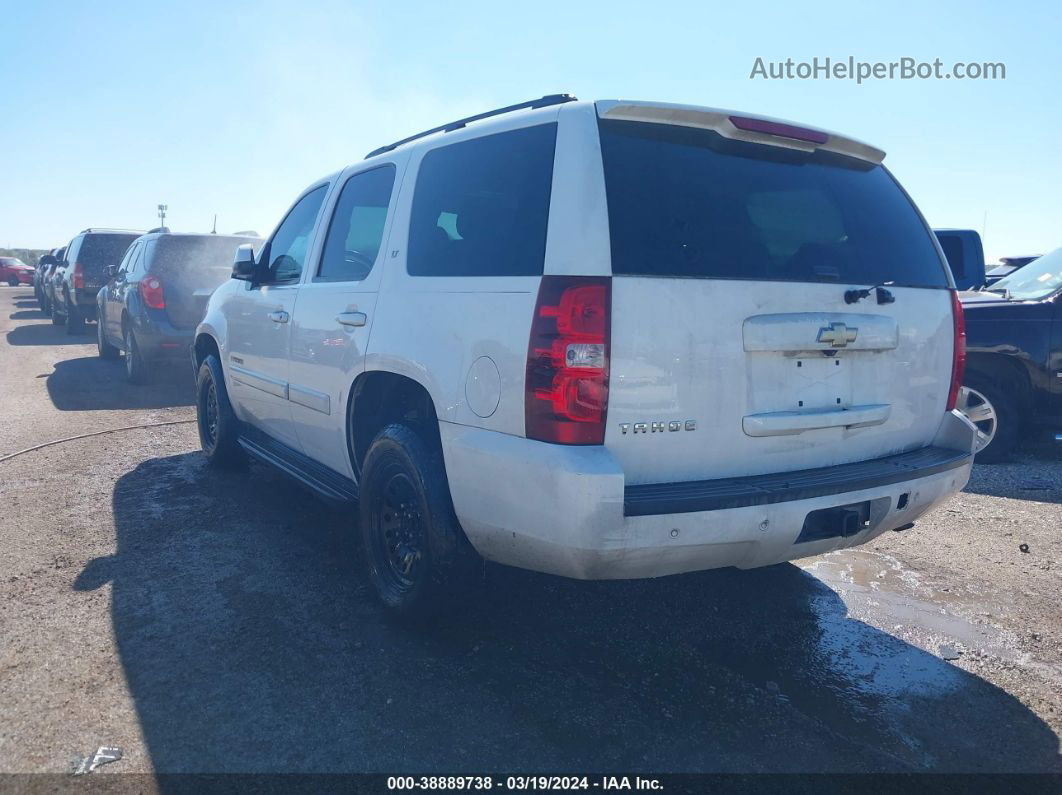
x: 356, y: 231
x: 287, y: 249
x: 690, y: 203
x: 481, y: 207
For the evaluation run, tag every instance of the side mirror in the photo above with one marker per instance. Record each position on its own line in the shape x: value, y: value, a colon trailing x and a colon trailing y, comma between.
x: 245, y: 267
x: 112, y: 271
x: 46, y: 260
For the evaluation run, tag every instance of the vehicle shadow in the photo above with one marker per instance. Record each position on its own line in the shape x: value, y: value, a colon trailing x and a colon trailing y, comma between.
x: 251, y: 641
x: 1031, y: 474
x: 92, y: 384
x: 47, y: 334
x: 28, y: 314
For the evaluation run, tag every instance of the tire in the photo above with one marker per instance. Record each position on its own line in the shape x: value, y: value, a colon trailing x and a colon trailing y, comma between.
x: 12, y: 281
x: 75, y: 321
x: 58, y: 319
x: 137, y: 370
x: 104, y: 348
x: 419, y: 561
x: 219, y: 430
x: 995, y: 414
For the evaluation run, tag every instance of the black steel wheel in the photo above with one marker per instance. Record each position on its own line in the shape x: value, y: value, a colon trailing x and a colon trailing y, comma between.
x: 219, y: 430
x: 418, y: 558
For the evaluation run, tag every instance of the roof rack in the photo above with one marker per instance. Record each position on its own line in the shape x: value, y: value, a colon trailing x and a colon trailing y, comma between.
x: 541, y: 102
x: 108, y: 229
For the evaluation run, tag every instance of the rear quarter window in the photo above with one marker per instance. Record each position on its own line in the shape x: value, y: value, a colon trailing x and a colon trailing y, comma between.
x: 686, y: 202
x: 481, y: 207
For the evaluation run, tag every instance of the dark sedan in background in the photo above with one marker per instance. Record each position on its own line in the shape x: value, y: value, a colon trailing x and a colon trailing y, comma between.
x: 1013, y: 377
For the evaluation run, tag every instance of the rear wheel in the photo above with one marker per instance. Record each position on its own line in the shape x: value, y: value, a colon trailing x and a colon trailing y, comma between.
x: 58, y: 318
x: 104, y: 348
x: 994, y: 414
x: 219, y: 430
x: 75, y: 323
x: 136, y: 368
x: 418, y: 558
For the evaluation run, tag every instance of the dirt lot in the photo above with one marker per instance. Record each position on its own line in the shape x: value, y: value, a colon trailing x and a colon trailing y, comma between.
x: 221, y: 622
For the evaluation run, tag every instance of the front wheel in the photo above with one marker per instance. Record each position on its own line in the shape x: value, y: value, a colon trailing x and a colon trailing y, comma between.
x: 12, y: 281
x: 418, y: 557
x: 219, y: 430
x: 995, y: 416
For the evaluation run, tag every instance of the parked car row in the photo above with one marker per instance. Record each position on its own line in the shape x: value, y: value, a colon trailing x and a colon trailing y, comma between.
x: 144, y: 291
x: 598, y: 339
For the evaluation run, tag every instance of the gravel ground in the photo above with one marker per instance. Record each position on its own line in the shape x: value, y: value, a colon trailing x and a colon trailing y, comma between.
x: 221, y: 622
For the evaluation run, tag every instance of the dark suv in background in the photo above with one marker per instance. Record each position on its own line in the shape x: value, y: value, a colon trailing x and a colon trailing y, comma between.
x: 156, y: 296
x: 83, y: 272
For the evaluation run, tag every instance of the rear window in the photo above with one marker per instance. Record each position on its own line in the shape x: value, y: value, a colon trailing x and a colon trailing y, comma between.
x: 101, y: 250
x: 195, y: 256
x: 481, y: 207
x: 690, y: 203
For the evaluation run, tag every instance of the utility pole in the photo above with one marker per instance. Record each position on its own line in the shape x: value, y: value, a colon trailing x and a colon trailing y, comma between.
x: 162, y: 214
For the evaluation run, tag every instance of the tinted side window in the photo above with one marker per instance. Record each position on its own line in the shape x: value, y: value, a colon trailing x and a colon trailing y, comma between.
x: 481, y: 206
x: 687, y: 202
x: 355, y: 233
x: 287, y: 249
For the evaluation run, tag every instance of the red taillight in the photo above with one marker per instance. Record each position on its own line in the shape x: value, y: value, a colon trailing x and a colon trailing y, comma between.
x: 79, y: 276
x: 958, y: 358
x: 151, y: 292
x: 566, y: 387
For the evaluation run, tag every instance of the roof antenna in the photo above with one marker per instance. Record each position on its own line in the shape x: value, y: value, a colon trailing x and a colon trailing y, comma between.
x: 214, y: 231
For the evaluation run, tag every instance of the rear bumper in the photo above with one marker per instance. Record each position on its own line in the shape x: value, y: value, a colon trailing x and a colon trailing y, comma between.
x: 157, y: 338
x: 566, y: 510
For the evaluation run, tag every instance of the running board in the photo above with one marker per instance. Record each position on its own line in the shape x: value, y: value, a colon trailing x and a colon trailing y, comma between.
x: 327, y: 483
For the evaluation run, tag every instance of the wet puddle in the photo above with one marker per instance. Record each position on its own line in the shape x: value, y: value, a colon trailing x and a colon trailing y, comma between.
x: 877, y: 589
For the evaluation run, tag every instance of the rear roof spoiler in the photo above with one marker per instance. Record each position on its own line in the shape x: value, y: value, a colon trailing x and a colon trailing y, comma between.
x: 740, y: 127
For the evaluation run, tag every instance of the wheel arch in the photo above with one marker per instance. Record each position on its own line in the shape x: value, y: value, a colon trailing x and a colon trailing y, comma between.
x: 379, y: 397
x: 1007, y: 372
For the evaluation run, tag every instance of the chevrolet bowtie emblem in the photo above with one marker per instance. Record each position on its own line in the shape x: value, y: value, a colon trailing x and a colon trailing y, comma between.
x: 837, y: 334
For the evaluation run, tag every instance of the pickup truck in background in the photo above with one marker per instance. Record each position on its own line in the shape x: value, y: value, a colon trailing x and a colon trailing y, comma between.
x: 965, y: 255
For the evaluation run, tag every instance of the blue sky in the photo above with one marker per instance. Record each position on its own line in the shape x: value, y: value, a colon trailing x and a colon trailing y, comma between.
x: 232, y: 108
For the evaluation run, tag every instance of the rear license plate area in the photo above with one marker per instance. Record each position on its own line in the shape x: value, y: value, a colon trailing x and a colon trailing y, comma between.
x: 840, y: 521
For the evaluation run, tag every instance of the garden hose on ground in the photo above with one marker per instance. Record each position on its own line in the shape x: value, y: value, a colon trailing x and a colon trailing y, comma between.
x: 94, y: 433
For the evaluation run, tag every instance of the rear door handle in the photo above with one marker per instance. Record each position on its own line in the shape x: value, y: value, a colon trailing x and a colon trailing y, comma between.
x: 351, y: 319
x: 279, y: 316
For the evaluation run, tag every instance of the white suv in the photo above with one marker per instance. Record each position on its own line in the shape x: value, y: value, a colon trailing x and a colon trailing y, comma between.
x: 599, y: 339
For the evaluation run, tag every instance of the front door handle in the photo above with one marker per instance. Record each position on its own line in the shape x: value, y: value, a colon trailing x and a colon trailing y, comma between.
x: 351, y: 318
x: 280, y: 316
